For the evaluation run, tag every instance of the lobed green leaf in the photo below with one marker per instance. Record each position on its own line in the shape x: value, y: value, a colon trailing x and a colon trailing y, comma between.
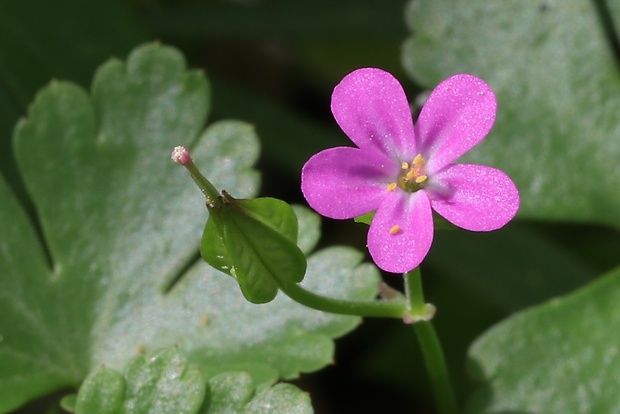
x: 114, y: 271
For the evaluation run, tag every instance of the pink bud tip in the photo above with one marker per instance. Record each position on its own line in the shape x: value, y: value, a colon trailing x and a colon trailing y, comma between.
x: 180, y: 155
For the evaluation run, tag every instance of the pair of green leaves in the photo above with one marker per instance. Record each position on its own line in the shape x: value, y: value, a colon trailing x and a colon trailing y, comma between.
x: 255, y: 241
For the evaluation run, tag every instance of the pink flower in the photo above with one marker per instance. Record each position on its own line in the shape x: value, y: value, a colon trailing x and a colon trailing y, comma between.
x: 404, y: 171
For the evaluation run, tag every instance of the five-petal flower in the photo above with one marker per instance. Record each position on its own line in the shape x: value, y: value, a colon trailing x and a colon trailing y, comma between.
x: 404, y: 171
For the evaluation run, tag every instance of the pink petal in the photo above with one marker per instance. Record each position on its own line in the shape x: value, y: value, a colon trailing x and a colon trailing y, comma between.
x: 457, y: 115
x: 343, y: 182
x: 371, y: 108
x: 404, y: 250
x: 480, y: 198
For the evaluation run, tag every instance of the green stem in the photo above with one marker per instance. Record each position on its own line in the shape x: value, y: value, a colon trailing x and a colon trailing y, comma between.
x: 213, y: 196
x: 417, y: 306
x: 393, y: 308
x: 420, y: 313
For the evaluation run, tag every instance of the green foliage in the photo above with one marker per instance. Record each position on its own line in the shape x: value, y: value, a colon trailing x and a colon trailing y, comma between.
x: 329, y: 37
x: 256, y: 242
x: 114, y: 271
x: 309, y: 228
x: 235, y: 393
x: 34, y: 47
x: 556, y: 79
x: 559, y: 357
x: 501, y: 270
x: 278, y: 339
x: 42, y: 40
x: 166, y: 383
x: 102, y: 160
x: 103, y: 391
x: 558, y: 87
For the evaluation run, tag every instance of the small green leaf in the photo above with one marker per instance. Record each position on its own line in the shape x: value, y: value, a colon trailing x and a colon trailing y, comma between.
x: 559, y: 357
x: 273, y: 213
x: 212, y: 246
x: 102, y: 392
x: 261, y: 256
x: 235, y: 393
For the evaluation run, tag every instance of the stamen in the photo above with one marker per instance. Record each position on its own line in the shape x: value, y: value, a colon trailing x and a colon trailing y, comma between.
x: 412, y: 175
x: 391, y: 187
x: 418, y: 161
x: 417, y: 172
x: 394, y: 229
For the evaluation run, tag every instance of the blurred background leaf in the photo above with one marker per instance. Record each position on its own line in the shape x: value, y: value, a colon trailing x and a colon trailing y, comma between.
x: 554, y: 66
x: 556, y: 75
x: 561, y: 356
x: 42, y: 40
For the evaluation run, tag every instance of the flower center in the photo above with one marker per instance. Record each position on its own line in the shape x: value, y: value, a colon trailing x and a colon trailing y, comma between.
x: 411, y: 177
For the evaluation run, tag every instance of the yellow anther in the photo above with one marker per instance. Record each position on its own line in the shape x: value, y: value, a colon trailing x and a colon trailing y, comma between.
x: 391, y: 187
x: 417, y: 172
x: 412, y: 175
x: 418, y: 161
x: 394, y: 229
